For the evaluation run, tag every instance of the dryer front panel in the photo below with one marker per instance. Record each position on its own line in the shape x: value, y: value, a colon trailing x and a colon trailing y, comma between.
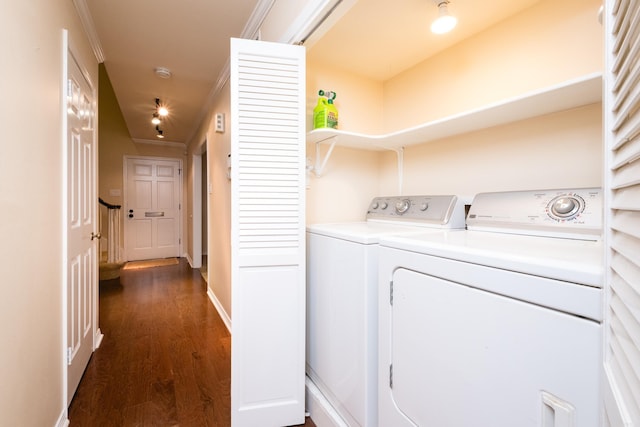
x: 462, y: 356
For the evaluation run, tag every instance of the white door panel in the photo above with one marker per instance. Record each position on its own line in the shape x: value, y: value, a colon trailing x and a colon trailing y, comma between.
x: 81, y: 202
x: 152, y: 200
x: 267, y: 234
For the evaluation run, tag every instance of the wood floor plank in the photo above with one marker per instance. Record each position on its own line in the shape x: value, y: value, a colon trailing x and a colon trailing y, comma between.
x: 165, y: 359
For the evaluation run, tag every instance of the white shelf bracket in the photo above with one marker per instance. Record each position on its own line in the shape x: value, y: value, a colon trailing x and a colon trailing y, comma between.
x: 320, y: 165
x: 400, y: 156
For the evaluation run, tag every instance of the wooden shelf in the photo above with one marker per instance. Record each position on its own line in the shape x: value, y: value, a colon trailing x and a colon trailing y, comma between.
x: 571, y: 94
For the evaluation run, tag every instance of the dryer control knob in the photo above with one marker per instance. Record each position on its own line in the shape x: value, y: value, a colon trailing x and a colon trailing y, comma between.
x: 424, y: 206
x: 565, y: 207
x: 375, y: 205
x: 384, y: 205
x: 402, y: 206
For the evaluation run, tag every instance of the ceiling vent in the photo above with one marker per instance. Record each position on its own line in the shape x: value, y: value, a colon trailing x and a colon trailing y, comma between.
x: 162, y: 72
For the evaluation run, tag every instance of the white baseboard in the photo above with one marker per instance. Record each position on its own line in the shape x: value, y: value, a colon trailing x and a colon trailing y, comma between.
x: 189, y: 260
x: 97, y: 340
x: 63, y: 420
x: 319, y: 408
x: 219, y: 308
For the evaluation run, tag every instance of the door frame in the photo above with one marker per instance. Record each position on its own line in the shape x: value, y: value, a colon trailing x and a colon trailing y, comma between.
x: 196, y: 206
x: 125, y: 199
x: 70, y: 53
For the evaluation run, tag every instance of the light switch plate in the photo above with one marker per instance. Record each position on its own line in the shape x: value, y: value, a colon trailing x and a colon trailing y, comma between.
x: 220, y: 122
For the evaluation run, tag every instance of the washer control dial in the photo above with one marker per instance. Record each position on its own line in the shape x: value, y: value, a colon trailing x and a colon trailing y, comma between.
x: 424, y: 206
x: 384, y: 205
x: 565, y: 207
x: 402, y: 206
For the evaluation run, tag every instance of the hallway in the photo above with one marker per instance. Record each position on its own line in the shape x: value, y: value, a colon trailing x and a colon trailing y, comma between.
x: 165, y: 357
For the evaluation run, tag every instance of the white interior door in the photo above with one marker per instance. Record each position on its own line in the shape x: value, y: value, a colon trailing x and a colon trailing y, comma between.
x: 81, y: 202
x: 152, y: 208
x: 267, y: 233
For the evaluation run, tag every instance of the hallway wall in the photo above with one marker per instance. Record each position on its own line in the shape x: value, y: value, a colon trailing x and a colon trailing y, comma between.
x: 115, y: 143
x: 33, y: 389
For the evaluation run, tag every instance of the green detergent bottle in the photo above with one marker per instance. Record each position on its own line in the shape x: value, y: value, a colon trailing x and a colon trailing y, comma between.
x: 325, y: 114
x: 320, y: 112
x: 332, y: 115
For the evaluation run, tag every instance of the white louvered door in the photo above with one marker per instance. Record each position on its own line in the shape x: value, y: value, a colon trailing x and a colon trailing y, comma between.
x: 267, y: 233
x: 622, y: 182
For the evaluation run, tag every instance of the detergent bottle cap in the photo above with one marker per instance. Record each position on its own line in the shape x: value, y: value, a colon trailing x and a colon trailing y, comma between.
x: 330, y: 101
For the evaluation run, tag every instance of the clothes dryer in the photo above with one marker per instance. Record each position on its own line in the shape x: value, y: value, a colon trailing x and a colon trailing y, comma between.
x: 498, y: 325
x: 342, y: 305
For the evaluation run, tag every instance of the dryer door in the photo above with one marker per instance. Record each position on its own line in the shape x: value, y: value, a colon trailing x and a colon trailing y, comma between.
x: 463, y: 357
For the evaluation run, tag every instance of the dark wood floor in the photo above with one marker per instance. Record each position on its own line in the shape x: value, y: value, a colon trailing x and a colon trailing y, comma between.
x: 165, y: 357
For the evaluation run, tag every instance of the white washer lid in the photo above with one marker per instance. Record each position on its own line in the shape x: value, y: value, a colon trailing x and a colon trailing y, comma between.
x: 577, y: 261
x: 366, y: 233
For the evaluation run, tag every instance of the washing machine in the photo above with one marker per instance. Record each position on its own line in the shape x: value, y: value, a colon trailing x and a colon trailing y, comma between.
x: 342, y: 277
x: 498, y: 325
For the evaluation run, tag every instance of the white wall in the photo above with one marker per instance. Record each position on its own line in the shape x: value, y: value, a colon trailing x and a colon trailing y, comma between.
x: 31, y: 362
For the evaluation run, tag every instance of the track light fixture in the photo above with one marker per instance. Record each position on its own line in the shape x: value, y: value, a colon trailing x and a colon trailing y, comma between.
x: 445, y: 22
x: 161, y: 109
x: 160, y: 133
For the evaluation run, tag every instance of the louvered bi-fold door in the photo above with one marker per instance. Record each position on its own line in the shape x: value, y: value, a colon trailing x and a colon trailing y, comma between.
x: 267, y: 233
x: 622, y: 139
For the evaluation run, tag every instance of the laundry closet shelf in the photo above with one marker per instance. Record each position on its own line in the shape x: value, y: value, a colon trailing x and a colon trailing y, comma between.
x: 567, y: 95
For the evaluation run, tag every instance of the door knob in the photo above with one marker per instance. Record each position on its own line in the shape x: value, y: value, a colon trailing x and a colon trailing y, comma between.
x: 96, y: 235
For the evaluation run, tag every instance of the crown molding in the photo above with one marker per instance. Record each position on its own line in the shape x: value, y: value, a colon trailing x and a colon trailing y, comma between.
x: 89, y: 29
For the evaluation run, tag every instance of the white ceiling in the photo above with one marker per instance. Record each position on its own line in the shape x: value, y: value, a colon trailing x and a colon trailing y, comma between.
x: 189, y: 37
x: 374, y: 38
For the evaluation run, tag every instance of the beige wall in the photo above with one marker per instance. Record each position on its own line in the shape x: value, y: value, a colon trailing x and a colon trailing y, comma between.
x: 31, y: 180
x: 219, y: 232
x: 115, y: 143
x: 553, y: 151
x: 549, y: 43
x: 545, y: 45
x: 506, y: 60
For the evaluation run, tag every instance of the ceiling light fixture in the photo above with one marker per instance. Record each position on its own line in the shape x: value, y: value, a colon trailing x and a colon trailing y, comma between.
x: 160, y: 133
x: 445, y: 22
x: 161, y: 109
x: 156, y: 119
